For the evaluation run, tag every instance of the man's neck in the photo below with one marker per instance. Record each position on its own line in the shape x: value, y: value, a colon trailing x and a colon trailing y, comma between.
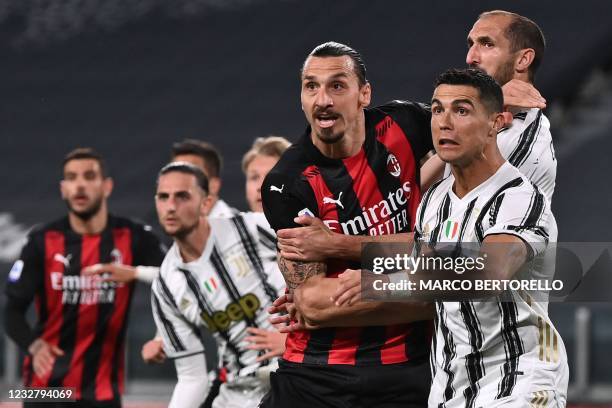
x: 468, y: 177
x: 192, y: 246
x: 93, y: 225
x: 348, y: 146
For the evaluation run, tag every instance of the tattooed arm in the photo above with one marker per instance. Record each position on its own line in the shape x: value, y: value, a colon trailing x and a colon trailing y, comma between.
x: 296, y: 272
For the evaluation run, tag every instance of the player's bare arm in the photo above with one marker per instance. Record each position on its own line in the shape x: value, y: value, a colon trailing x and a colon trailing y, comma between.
x: 297, y: 272
x: 315, y: 242
x: 505, y: 254
x: 314, y: 308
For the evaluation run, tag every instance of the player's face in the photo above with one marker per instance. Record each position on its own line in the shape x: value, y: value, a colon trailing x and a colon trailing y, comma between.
x: 255, y: 174
x: 460, y: 124
x: 84, y: 188
x: 180, y: 203
x: 490, y: 50
x: 332, y: 99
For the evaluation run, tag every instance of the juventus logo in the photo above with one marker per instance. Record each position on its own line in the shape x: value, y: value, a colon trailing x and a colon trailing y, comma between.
x: 330, y: 200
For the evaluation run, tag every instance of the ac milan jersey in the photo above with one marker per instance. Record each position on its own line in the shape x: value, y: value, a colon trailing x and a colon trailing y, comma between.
x: 227, y: 289
x: 374, y: 192
x: 82, y: 315
x: 487, y: 352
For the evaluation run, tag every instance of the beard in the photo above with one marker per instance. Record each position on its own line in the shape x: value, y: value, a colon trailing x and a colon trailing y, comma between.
x: 88, y: 212
x: 503, y: 74
x: 328, y: 137
x: 182, y: 231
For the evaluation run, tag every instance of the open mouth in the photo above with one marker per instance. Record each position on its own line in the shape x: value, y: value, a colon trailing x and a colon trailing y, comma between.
x: 326, y: 120
x: 447, y: 142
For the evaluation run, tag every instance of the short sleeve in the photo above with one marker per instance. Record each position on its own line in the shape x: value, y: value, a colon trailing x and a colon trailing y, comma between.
x: 525, y: 213
x: 282, y: 201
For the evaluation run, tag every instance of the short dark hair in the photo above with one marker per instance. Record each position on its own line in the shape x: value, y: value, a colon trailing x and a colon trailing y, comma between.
x: 186, y: 168
x: 85, y: 153
x: 335, y: 49
x: 213, y: 162
x: 522, y: 33
x: 490, y: 92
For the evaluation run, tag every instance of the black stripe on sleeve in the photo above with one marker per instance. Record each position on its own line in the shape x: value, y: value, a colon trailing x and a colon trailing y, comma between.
x: 176, y: 342
x: 266, y: 238
x: 485, y: 209
x: 526, y: 142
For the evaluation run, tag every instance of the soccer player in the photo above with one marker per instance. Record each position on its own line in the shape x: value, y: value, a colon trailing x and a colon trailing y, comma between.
x: 505, y: 351
x: 209, y: 160
x: 355, y: 168
x: 510, y: 48
x: 217, y: 275
x: 206, y: 157
x: 78, y: 339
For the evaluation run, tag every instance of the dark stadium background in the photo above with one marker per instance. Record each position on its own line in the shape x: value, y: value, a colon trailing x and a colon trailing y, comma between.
x: 131, y: 77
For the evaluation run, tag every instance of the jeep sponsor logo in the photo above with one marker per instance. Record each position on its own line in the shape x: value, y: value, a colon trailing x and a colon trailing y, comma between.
x: 244, y: 309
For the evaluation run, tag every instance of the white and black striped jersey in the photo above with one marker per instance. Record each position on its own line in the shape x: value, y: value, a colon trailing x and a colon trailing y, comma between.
x: 485, y: 353
x: 226, y: 290
x: 222, y: 210
x: 527, y: 144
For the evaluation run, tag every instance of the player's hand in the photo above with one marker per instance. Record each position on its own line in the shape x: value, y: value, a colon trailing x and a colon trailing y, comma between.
x: 272, y: 341
x: 153, y: 352
x: 521, y: 94
x: 349, y: 288
x: 309, y: 243
x: 112, y: 272
x: 285, y: 308
x: 43, y: 356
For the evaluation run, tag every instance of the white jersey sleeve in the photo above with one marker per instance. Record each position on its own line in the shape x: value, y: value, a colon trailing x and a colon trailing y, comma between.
x: 523, y: 211
x: 527, y: 145
x: 180, y: 337
x: 192, y: 386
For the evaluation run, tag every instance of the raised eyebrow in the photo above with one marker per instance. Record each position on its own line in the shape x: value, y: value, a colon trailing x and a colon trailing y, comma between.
x: 460, y: 101
x: 435, y: 100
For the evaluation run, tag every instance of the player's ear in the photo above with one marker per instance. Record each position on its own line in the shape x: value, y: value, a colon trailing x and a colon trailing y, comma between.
x: 63, y: 189
x: 206, y: 206
x: 214, y: 186
x: 108, y: 185
x: 365, y: 95
x: 524, y: 60
x: 498, y: 123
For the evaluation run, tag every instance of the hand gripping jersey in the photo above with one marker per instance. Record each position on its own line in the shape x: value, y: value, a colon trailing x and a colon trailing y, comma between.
x: 226, y: 290
x: 82, y: 315
x: 374, y: 192
x: 493, y: 352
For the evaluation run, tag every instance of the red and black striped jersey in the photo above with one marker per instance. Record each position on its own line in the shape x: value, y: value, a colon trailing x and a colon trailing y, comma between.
x: 375, y: 192
x: 81, y: 314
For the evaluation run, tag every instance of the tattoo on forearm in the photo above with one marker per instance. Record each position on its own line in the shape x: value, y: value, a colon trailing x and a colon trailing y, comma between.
x: 297, y: 272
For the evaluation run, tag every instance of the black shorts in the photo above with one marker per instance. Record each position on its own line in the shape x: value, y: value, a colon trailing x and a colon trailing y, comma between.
x: 295, y: 385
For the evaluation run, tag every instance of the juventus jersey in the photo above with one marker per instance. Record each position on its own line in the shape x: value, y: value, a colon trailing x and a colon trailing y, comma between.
x: 226, y: 290
x: 484, y: 353
x: 527, y: 145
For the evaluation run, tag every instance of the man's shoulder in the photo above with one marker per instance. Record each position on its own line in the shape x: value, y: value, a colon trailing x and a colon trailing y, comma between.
x: 404, y: 108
